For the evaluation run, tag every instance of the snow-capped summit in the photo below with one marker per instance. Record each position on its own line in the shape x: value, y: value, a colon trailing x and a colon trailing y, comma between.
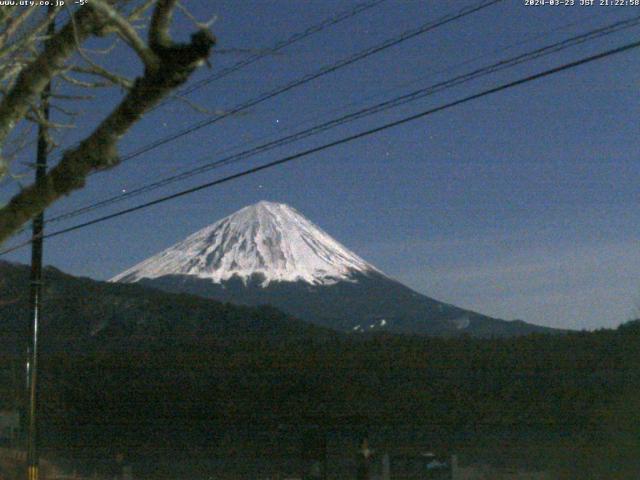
x: 269, y: 254
x: 271, y: 240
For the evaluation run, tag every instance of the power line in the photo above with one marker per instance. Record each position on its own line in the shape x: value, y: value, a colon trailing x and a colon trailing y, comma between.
x: 296, y: 37
x: 366, y: 133
x: 403, y: 37
x: 401, y: 100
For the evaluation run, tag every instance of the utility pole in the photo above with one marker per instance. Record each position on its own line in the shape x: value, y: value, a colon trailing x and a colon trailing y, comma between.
x: 36, y: 282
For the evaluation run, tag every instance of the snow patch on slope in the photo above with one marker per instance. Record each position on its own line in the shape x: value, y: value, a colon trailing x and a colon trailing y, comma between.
x: 268, y: 239
x: 461, y: 322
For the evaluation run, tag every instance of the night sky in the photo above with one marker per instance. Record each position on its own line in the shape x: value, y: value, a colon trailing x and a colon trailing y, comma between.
x: 521, y: 205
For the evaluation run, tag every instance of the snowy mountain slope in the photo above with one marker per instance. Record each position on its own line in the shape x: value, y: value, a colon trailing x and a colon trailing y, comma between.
x: 270, y: 240
x: 268, y: 253
x: 365, y: 304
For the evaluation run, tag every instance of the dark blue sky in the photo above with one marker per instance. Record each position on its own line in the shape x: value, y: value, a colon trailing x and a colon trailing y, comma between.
x: 519, y: 205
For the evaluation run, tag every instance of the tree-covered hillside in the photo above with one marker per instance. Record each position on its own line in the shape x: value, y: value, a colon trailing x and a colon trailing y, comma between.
x: 137, y: 369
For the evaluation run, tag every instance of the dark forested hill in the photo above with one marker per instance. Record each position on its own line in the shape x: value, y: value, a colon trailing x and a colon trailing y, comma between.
x: 79, y: 313
x: 269, y: 253
x: 366, y: 303
x: 133, y: 369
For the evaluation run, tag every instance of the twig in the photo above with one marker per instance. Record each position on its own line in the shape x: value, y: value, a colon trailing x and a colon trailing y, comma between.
x: 140, y: 10
x: 98, y: 71
x: 194, y: 20
x: 127, y: 32
x: 79, y: 83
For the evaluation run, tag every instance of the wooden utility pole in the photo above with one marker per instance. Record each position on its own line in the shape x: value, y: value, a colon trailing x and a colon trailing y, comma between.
x: 36, y: 283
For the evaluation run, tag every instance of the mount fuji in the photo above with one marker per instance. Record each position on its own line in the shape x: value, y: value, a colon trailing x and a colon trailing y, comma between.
x: 267, y: 240
x: 269, y: 253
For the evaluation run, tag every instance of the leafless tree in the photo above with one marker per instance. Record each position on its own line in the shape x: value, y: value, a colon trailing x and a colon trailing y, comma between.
x: 30, y: 59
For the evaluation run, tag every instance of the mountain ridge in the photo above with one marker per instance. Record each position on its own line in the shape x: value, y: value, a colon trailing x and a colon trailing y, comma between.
x: 80, y: 314
x: 271, y: 239
x: 268, y: 253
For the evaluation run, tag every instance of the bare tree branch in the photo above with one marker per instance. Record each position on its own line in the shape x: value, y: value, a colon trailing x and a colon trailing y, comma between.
x: 99, y: 71
x: 159, y: 37
x: 98, y: 151
x: 93, y: 66
x: 101, y: 51
x: 196, y: 22
x: 14, y: 24
x: 127, y: 32
x: 34, y: 77
x: 80, y: 83
x: 29, y: 38
x: 36, y: 117
x: 64, y: 111
x: 140, y: 10
x: 72, y: 98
